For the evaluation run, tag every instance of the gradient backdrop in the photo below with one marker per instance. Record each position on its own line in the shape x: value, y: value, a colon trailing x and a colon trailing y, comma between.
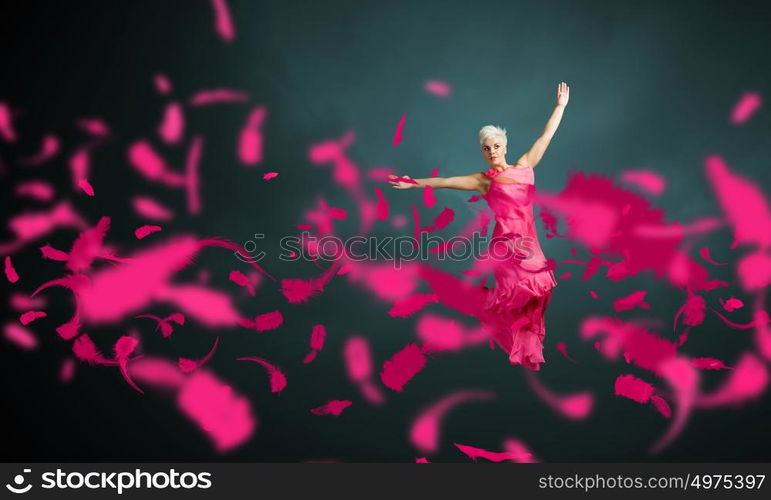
x: 653, y: 85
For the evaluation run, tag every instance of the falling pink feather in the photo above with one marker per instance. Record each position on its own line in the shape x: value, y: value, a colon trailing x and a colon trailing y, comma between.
x: 382, y: 208
x: 746, y: 382
x: 143, y: 157
x: 30, y: 316
x: 358, y: 363
x: 407, y: 306
x: 661, y: 406
x: 422, y: 460
x: 94, y: 126
x: 709, y: 364
x: 162, y: 84
x: 575, y: 406
x: 439, y: 333
x: 334, y: 407
x: 704, y: 252
x: 565, y: 275
x: 268, y: 321
x: 444, y: 218
x: 398, y: 134
x: 192, y: 180
x: 731, y: 304
x: 298, y: 290
x: 67, y: 371
x: 146, y: 230
x: 648, y: 180
x: 277, y: 378
x: 562, y: 348
x: 23, y: 302
x: 270, y: 175
x: 88, y: 246
x: 10, y: 272
x: 223, y: 22
x: 189, y: 365
x: 21, y: 337
x: 402, y: 367
x: 86, y: 187
x: 80, y: 166
x: 71, y: 328
x: 48, y: 150
x: 151, y: 209
x: 426, y: 428
x: 742, y: 201
x: 123, y: 349
x: 250, y: 141
x: 694, y: 310
x: 223, y: 414
x: 749, y: 103
x: 453, y: 292
x: 519, y: 448
x: 217, y: 96
x: 85, y: 350
x: 761, y: 318
x: 241, y: 279
x: 37, y: 190
x: 318, y: 336
x: 631, y: 301
x: 7, y: 132
x: 172, y: 126
x: 165, y: 324
x: 754, y: 270
x: 358, y: 358
x: 684, y: 380
x: 438, y: 88
x: 633, y: 388
x: 429, y: 199
x: 493, y: 456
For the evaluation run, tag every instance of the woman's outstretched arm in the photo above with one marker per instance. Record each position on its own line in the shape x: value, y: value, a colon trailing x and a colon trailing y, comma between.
x: 471, y: 182
x: 532, y: 157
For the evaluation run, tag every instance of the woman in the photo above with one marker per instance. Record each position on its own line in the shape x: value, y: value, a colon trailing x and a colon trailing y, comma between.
x: 514, y: 310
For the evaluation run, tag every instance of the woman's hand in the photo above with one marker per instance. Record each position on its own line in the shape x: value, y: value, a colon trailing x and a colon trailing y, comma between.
x: 397, y: 182
x: 563, y: 94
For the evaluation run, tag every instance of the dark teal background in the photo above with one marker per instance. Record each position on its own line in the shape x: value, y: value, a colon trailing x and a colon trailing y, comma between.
x: 652, y: 86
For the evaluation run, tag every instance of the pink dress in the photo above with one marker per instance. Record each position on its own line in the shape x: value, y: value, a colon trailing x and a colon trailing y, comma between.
x: 514, y: 310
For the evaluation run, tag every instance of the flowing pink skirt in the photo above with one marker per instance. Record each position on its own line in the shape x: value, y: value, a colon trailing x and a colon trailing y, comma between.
x: 514, y: 313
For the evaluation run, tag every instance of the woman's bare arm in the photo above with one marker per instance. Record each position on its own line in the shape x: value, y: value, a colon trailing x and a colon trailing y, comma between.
x: 532, y: 157
x: 471, y: 182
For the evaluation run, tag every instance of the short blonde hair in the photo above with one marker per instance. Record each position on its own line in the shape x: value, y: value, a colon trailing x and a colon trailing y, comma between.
x: 489, y: 131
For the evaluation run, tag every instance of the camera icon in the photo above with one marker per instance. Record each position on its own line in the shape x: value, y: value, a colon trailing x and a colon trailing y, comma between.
x: 18, y: 480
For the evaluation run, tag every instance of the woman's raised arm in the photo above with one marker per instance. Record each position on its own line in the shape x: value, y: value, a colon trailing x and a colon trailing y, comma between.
x: 532, y: 157
x: 471, y: 182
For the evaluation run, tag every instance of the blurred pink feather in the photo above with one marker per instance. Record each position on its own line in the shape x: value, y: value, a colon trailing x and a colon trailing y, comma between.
x: 142, y: 232
x: 10, y: 271
x: 438, y: 88
x: 493, y: 456
x: 223, y: 22
x: 334, y: 407
x: 402, y: 367
x: 30, y: 316
x: 747, y: 105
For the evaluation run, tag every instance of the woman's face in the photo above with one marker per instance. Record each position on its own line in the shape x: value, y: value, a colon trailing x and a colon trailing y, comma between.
x: 494, y: 151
